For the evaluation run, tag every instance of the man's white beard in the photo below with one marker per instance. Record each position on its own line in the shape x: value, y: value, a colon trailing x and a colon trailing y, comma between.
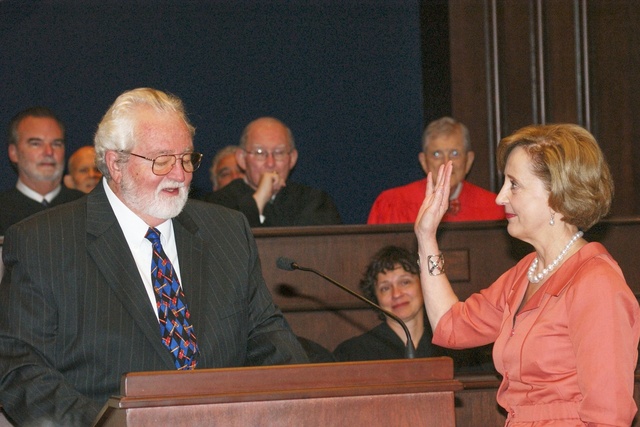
x: 35, y: 175
x: 154, y: 204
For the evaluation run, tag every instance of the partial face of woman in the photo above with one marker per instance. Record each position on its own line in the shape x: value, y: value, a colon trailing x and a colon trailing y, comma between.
x: 525, y: 198
x: 399, y: 292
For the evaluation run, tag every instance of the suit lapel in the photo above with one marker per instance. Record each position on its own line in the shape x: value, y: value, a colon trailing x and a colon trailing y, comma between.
x: 110, y: 251
x: 190, y: 247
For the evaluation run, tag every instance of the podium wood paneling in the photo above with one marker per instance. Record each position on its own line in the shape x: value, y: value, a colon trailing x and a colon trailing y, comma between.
x: 368, y: 394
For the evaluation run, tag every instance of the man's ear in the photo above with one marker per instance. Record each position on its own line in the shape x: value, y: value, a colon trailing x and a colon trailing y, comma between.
x: 470, y: 157
x: 113, y: 165
x: 293, y: 158
x: 241, y: 159
x: 13, y: 153
x: 422, y: 158
x: 68, y: 182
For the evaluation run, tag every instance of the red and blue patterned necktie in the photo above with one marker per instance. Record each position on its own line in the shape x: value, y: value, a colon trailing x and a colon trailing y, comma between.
x: 173, y: 314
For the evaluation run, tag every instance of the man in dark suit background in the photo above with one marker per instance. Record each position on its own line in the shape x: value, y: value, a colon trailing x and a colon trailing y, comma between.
x: 265, y: 195
x: 36, y: 150
x: 79, y: 307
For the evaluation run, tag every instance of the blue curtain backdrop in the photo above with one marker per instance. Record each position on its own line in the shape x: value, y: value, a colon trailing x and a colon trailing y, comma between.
x: 344, y: 75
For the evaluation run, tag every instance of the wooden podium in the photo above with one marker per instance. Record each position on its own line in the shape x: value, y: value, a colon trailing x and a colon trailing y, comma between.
x: 381, y: 393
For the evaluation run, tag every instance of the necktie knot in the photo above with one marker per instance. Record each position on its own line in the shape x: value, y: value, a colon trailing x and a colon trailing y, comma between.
x: 153, y: 235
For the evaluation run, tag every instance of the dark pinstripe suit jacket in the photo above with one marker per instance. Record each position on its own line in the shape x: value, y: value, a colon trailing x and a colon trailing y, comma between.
x: 74, y: 315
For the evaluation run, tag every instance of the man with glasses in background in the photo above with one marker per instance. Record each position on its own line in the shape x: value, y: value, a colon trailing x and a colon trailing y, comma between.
x: 267, y: 154
x: 132, y: 277
x: 443, y: 140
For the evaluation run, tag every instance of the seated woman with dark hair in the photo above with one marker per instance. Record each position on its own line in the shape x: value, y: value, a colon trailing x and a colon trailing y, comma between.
x: 392, y: 280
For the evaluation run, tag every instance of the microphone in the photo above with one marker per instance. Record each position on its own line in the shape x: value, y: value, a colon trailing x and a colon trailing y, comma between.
x: 289, y: 265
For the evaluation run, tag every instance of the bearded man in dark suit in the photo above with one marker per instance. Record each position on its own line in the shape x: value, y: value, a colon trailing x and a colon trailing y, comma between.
x: 36, y: 148
x: 81, y: 305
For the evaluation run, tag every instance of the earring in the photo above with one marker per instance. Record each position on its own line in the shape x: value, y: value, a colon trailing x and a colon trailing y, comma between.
x: 551, y: 221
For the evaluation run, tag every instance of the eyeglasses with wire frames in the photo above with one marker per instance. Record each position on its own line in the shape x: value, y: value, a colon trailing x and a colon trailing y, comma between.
x: 279, y: 154
x: 163, y: 164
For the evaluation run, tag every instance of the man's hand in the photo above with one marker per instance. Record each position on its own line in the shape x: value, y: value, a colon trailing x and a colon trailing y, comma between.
x: 270, y: 184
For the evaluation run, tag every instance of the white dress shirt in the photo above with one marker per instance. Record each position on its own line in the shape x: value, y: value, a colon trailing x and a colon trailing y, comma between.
x: 34, y: 195
x: 134, y: 229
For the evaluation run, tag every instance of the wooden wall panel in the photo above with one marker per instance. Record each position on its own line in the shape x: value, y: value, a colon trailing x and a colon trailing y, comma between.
x: 614, y: 71
x: 469, y: 92
x: 561, y: 58
x: 516, y: 60
x: 517, y: 63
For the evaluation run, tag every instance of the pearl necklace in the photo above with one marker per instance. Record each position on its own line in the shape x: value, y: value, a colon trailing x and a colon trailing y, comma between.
x: 536, y: 278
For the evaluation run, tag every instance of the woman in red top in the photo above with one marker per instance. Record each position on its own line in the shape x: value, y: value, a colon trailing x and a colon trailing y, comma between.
x: 564, y: 322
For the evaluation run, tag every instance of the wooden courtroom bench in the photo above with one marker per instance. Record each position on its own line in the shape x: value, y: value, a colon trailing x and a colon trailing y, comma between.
x: 476, y: 254
x: 476, y: 404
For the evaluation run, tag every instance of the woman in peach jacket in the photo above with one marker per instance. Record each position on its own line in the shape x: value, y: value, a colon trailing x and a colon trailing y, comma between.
x: 564, y: 323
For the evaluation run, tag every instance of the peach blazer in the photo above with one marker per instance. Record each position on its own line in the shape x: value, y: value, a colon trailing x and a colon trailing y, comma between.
x: 568, y: 357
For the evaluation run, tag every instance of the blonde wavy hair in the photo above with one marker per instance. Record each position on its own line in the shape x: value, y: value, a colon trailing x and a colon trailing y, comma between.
x: 568, y: 160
